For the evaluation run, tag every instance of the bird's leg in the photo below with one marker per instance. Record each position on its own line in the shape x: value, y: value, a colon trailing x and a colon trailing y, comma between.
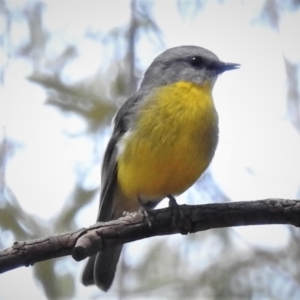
x: 172, y: 201
x: 174, y: 209
x: 145, y: 211
x: 176, y: 214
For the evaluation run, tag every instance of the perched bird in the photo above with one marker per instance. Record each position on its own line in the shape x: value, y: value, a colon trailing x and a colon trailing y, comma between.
x: 164, y: 137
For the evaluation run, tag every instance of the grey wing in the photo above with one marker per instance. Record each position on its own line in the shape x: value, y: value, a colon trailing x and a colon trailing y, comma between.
x: 100, y: 268
x: 122, y: 122
x: 108, y: 182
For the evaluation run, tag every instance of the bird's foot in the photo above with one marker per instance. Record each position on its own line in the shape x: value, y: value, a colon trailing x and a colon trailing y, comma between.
x: 178, y: 217
x: 145, y: 211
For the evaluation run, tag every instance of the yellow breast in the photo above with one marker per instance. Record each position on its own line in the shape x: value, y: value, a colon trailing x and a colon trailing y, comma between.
x: 172, y: 143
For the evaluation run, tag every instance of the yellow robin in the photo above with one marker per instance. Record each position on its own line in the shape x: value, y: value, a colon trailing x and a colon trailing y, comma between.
x: 164, y: 137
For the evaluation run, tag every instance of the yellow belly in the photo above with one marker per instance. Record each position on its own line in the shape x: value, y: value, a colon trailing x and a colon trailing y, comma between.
x: 173, y: 142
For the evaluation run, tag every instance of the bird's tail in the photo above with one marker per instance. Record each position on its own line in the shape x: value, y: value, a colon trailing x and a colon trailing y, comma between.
x: 101, y: 268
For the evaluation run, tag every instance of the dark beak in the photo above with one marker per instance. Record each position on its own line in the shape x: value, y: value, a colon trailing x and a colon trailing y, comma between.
x: 227, y: 67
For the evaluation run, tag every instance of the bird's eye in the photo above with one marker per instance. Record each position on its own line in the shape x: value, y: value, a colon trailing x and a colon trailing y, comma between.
x: 197, y: 61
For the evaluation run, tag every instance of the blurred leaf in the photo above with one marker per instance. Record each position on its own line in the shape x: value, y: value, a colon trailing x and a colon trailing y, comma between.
x: 78, y: 98
x: 189, y: 9
x: 80, y: 197
x: 270, y: 13
x: 13, y: 218
x: 293, y: 93
x: 36, y: 43
x: 55, y: 285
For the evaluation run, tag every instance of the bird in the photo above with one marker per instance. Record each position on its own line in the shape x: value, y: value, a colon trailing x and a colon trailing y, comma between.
x: 164, y: 137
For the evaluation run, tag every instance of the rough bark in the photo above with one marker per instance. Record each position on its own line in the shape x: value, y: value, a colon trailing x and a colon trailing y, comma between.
x: 182, y: 219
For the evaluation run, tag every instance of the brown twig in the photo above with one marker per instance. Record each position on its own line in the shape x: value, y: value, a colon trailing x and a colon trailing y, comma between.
x: 179, y: 219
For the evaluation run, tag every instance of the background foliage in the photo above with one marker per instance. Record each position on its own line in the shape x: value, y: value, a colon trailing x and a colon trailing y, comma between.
x: 81, y: 97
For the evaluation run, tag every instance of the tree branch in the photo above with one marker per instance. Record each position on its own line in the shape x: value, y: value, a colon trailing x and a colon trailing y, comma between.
x: 182, y: 219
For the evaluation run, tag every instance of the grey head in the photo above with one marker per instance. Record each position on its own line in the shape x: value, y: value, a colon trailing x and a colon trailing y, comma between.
x: 185, y: 63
